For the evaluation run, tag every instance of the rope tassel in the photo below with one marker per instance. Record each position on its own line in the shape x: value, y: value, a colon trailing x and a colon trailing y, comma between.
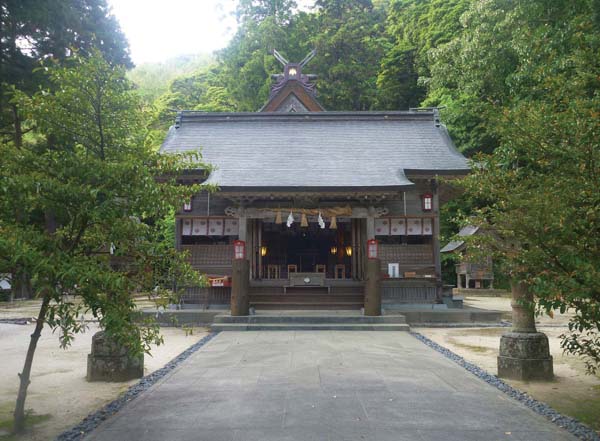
x: 304, y: 221
x: 333, y: 223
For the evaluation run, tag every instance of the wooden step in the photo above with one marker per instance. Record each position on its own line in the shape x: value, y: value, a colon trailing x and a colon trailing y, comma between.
x: 305, y: 304
x: 327, y: 298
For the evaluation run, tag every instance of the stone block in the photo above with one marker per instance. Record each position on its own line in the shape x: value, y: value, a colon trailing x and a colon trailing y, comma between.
x: 525, y: 356
x: 109, y: 361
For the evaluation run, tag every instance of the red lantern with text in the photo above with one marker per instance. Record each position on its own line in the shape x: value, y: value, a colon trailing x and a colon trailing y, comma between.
x: 427, y: 200
x: 372, y: 249
x: 239, y: 249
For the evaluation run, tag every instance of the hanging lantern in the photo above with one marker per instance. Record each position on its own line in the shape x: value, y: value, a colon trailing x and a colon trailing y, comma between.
x: 348, y: 251
x: 278, y: 219
x: 333, y: 250
x: 372, y: 249
x: 187, y: 206
x: 427, y: 202
x: 333, y: 223
x: 239, y: 249
x: 263, y: 251
x: 290, y: 220
x: 303, y: 221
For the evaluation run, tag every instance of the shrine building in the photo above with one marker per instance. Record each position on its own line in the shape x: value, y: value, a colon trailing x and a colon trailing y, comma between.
x: 310, y: 195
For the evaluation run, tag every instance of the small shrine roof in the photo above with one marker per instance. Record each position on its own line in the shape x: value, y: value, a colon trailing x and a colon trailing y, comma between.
x: 317, y: 150
x: 454, y: 245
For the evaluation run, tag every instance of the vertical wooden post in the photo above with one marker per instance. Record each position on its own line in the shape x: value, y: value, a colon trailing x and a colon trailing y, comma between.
x: 373, y: 288
x: 370, y: 227
x: 178, y: 232
x: 240, y: 279
x: 436, y: 229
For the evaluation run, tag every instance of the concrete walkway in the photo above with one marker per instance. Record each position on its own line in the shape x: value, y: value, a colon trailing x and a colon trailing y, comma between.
x: 319, y: 385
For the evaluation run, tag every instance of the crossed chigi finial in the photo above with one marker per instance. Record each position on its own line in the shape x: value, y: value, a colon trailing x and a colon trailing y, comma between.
x: 303, y: 63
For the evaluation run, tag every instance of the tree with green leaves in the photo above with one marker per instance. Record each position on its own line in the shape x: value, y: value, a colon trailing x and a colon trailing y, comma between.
x: 35, y: 30
x: 349, y: 43
x: 538, y: 190
x: 413, y: 28
x: 82, y: 205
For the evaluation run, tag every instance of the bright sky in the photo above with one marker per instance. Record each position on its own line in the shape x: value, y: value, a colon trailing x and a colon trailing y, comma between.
x: 158, y: 30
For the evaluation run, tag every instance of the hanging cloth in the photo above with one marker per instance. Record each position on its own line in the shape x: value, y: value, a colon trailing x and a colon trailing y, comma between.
x: 320, y: 221
x: 290, y: 220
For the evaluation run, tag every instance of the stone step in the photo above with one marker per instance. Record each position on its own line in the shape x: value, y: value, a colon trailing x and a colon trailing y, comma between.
x: 307, y: 319
x: 306, y: 304
x: 309, y: 327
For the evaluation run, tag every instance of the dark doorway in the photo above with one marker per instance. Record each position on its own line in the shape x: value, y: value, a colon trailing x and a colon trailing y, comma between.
x: 306, y: 249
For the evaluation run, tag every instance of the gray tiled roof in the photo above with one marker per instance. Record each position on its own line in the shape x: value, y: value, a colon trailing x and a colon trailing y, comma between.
x: 468, y: 230
x: 334, y: 150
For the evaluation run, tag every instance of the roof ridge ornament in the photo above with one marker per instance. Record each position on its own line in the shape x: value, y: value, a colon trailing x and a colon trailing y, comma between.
x: 300, y: 95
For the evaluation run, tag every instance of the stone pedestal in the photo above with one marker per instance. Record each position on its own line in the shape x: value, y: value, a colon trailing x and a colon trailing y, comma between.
x: 525, y: 356
x: 373, y: 288
x: 524, y: 352
x: 240, y: 281
x: 111, y: 362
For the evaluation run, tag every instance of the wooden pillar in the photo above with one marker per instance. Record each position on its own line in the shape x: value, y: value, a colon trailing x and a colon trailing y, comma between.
x: 354, y: 257
x: 178, y: 231
x: 436, y: 230
x: 240, y: 279
x: 373, y: 288
x: 259, y: 244
x: 242, y: 233
x: 370, y: 225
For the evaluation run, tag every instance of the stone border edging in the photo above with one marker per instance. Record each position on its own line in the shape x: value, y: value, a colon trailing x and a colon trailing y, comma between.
x: 573, y: 426
x: 93, y: 420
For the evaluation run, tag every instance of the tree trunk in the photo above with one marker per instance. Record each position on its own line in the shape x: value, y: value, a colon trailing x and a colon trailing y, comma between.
x: 19, y: 422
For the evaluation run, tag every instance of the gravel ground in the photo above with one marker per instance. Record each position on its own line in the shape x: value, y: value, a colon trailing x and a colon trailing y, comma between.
x: 92, y: 421
x: 575, y: 427
x: 58, y: 385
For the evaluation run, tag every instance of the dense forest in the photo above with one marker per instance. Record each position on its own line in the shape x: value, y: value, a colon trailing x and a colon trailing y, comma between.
x: 517, y: 82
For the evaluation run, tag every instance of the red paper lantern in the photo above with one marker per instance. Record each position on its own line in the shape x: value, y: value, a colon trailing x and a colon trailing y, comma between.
x: 372, y: 249
x: 239, y: 249
x: 427, y: 201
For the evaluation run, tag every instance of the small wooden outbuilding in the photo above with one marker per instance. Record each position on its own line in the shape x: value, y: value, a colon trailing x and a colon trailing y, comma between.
x: 476, y: 275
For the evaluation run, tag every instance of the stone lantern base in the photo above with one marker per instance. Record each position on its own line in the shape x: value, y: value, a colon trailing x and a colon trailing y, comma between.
x: 525, y: 356
x: 111, y: 362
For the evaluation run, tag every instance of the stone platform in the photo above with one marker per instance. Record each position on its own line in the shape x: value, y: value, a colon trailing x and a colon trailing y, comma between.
x: 309, y: 321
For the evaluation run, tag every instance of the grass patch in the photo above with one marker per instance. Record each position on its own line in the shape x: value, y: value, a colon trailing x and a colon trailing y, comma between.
x: 585, y: 409
x: 487, y: 332
x: 6, y: 424
x: 472, y: 348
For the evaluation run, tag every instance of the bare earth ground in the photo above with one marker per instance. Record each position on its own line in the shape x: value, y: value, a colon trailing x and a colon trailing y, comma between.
x: 58, y: 387
x: 573, y: 392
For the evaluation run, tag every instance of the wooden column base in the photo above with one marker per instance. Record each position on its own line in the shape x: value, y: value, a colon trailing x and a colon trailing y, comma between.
x: 239, y: 287
x: 373, y: 288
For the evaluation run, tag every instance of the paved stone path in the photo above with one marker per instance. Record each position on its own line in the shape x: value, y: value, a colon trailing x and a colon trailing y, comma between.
x: 323, y: 386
